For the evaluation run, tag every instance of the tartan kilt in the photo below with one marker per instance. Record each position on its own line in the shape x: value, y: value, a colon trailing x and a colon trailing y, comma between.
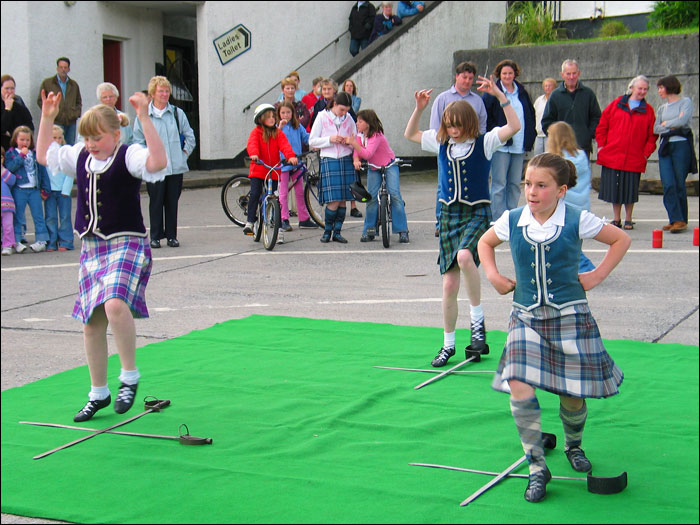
x: 461, y: 227
x: 336, y: 177
x: 113, y: 268
x: 558, y: 351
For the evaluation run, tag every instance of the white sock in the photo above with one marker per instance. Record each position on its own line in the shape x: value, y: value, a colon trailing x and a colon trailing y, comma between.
x: 98, y: 392
x: 449, y: 340
x: 129, y: 377
x: 477, y: 312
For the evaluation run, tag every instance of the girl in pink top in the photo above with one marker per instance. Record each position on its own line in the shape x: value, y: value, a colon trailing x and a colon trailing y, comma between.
x: 372, y: 146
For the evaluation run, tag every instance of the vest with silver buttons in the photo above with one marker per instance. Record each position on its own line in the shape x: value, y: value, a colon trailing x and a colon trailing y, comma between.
x: 464, y: 179
x: 108, y: 201
x: 546, y: 273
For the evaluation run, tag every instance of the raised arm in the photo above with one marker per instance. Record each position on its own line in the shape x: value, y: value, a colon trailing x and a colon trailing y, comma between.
x: 157, y: 158
x: 412, y: 132
x: 49, y: 110
x: 488, y: 85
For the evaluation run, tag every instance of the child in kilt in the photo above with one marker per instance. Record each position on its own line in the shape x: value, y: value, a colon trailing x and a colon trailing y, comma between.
x: 464, y: 161
x: 553, y: 341
x: 115, y: 257
x: 329, y: 134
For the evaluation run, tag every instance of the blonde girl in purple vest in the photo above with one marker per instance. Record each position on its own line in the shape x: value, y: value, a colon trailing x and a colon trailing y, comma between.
x: 115, y: 257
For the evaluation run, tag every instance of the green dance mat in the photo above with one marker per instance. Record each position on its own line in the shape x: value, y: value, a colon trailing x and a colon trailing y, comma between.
x: 306, y: 430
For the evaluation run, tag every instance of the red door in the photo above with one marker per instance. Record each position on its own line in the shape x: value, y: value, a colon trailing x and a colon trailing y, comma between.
x: 112, y: 59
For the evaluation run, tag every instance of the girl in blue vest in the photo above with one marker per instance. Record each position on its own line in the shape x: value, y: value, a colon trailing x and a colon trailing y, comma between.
x: 464, y: 161
x: 553, y: 341
x: 115, y: 257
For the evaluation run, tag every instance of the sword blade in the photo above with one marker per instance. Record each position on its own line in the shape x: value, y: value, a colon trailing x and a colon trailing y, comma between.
x: 137, y: 434
x: 475, y: 471
x: 493, y: 482
x: 436, y: 371
x: 443, y: 374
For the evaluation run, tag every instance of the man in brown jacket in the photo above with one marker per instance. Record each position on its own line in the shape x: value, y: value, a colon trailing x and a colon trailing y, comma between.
x: 71, y: 102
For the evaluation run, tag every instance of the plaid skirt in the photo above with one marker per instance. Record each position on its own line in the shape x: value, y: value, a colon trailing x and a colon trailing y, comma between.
x: 118, y: 267
x: 461, y: 227
x: 336, y: 177
x: 558, y: 351
x: 619, y: 186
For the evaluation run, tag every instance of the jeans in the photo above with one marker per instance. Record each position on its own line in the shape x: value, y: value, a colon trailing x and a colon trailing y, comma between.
x: 69, y: 133
x: 31, y: 196
x: 58, y: 222
x: 506, y: 174
x: 356, y: 45
x: 673, y: 170
x: 399, y: 223
x: 163, y: 197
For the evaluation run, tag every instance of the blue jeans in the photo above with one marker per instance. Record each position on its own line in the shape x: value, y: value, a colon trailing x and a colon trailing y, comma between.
x: 69, y: 133
x: 58, y: 222
x: 31, y: 196
x: 673, y: 170
x: 356, y: 45
x: 506, y: 174
x: 398, y: 213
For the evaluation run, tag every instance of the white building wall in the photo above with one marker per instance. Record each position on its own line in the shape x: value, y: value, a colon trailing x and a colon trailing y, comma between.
x: 284, y: 35
x: 35, y: 34
x: 594, y: 9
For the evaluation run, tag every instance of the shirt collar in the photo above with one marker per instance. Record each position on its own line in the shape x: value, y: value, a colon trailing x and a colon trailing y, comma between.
x: 454, y: 91
x: 557, y: 218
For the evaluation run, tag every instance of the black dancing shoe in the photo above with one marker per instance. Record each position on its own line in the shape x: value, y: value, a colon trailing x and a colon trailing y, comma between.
x: 354, y: 212
x: 443, y: 355
x: 579, y: 461
x: 125, y: 398
x: 478, y: 340
x: 339, y: 238
x: 91, y: 407
x: 537, y: 486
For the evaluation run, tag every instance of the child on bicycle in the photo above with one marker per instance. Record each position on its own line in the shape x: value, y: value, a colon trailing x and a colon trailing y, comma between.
x: 372, y: 146
x: 265, y: 144
x: 298, y: 137
x: 464, y: 161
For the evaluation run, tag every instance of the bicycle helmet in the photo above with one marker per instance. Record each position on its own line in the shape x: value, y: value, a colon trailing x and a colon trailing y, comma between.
x: 260, y: 110
x: 359, y: 192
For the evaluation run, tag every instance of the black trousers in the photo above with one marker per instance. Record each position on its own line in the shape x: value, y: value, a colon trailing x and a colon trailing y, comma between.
x: 164, y: 196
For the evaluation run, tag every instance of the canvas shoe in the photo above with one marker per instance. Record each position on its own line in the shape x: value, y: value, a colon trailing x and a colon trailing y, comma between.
x: 537, y: 485
x: 125, y: 398
x: 248, y: 228
x: 38, y: 246
x: 20, y: 248
x: 308, y: 223
x: 443, y: 355
x: 7, y: 250
x: 91, y: 407
x: 403, y: 237
x: 578, y: 459
x: 285, y: 226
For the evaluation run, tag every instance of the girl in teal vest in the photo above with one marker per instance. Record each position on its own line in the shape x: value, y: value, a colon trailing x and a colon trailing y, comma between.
x: 553, y: 341
x: 464, y: 161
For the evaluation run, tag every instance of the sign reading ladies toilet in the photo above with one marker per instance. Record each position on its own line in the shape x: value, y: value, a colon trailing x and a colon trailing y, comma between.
x: 232, y: 44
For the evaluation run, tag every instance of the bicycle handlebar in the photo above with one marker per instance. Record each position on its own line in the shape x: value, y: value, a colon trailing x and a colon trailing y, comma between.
x: 392, y: 163
x: 283, y: 162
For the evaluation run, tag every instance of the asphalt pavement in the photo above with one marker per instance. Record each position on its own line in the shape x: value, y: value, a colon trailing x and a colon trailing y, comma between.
x: 219, y: 274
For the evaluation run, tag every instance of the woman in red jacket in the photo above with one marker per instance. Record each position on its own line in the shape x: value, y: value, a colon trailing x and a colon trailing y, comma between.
x: 625, y: 137
x: 264, y: 143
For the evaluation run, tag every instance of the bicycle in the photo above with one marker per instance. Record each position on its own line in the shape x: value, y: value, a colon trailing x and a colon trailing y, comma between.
x: 235, y: 192
x: 383, y: 198
x: 269, y: 220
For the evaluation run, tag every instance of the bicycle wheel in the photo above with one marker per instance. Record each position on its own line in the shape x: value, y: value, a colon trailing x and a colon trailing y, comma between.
x: 258, y: 226
x: 384, y: 220
x: 312, y: 192
x: 271, y: 226
x: 234, y: 199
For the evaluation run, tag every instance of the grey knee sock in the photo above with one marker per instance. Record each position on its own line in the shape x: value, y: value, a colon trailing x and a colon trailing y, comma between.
x: 527, y: 420
x: 573, y: 423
